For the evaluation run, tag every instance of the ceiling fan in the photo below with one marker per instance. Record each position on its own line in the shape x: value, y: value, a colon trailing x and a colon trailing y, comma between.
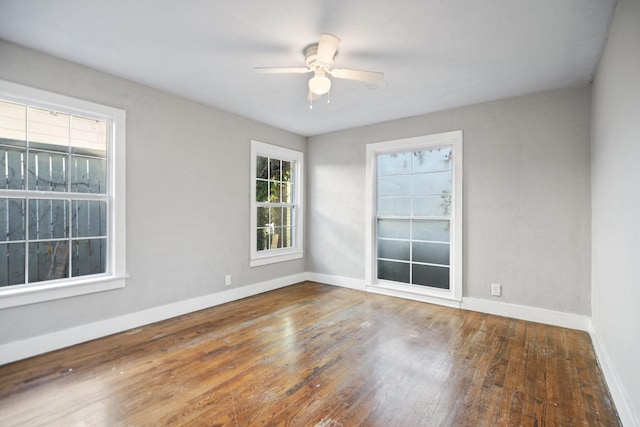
x: 319, y: 58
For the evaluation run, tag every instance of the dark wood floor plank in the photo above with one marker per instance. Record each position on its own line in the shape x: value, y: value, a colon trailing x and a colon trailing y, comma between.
x: 316, y: 355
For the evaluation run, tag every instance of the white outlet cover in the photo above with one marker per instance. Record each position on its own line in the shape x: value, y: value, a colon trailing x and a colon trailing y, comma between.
x: 496, y: 289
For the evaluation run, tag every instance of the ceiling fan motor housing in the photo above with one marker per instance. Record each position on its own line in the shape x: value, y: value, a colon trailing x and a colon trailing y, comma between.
x: 311, y: 59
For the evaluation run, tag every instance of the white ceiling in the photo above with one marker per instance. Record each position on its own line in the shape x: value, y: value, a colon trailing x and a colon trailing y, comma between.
x: 436, y: 54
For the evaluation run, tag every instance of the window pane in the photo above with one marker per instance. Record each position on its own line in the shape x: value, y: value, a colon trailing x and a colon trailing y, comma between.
x: 432, y: 183
x: 48, y: 130
x: 393, y: 228
x: 395, y: 271
x: 48, y: 260
x: 287, y: 193
x: 12, y: 258
x: 89, y: 218
x: 432, y: 253
x: 276, y: 238
x: 434, y: 230
x: 394, y: 206
x: 262, y: 217
x: 48, y: 219
x: 275, y: 217
x: 89, y: 256
x: 394, y: 164
x: 12, y: 216
x: 47, y: 171
x: 88, y: 175
x: 432, y: 205
x: 287, y: 217
x: 434, y: 160
x: 262, y: 167
x: 393, y: 249
x: 262, y: 191
x: 286, y: 171
x: 13, y: 124
x: 275, y: 189
x: 274, y: 169
x: 428, y: 275
x: 88, y: 136
x: 395, y: 185
x: 287, y: 237
x: 263, y: 239
x: 12, y: 169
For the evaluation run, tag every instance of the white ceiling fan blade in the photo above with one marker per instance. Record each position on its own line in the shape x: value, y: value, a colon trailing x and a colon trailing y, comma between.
x: 327, y: 48
x: 365, y: 76
x: 281, y: 70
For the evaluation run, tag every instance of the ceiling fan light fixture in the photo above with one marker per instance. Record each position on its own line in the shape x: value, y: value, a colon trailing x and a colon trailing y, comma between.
x: 319, y: 84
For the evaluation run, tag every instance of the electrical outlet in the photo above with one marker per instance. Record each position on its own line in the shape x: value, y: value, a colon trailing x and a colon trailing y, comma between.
x: 227, y: 280
x: 496, y: 289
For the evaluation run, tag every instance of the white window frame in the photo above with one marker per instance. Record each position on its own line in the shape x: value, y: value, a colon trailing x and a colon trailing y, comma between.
x: 270, y: 256
x: 422, y: 293
x: 115, y: 275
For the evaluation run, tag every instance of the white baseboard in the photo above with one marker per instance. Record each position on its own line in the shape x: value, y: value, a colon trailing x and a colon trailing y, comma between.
x: 361, y: 285
x: 29, y: 347
x: 532, y: 314
x: 620, y: 397
x: 343, y: 282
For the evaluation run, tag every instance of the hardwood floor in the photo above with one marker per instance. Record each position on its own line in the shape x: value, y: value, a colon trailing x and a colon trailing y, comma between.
x: 317, y: 355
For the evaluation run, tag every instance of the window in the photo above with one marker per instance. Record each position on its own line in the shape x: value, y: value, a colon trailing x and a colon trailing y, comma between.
x: 61, y: 166
x: 416, y: 211
x: 276, y: 204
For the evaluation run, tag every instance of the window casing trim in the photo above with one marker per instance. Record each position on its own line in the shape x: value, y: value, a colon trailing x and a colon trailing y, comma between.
x: 115, y: 275
x: 258, y: 258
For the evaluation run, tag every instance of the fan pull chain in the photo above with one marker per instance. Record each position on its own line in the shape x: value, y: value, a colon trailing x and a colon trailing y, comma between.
x: 328, y: 97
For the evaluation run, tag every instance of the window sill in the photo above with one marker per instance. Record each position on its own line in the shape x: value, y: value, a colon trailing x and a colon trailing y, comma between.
x: 52, y: 291
x: 274, y: 258
x: 418, y: 290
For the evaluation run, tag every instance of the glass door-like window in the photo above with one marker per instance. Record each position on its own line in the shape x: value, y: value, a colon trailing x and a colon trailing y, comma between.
x: 415, y: 234
x: 414, y: 215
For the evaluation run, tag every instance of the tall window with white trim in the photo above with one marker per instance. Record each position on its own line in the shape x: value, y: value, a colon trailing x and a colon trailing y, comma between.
x: 276, y: 201
x: 57, y: 184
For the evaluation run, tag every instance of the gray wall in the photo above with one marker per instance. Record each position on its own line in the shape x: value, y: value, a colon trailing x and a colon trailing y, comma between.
x: 616, y: 199
x: 526, y: 197
x: 187, y: 196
